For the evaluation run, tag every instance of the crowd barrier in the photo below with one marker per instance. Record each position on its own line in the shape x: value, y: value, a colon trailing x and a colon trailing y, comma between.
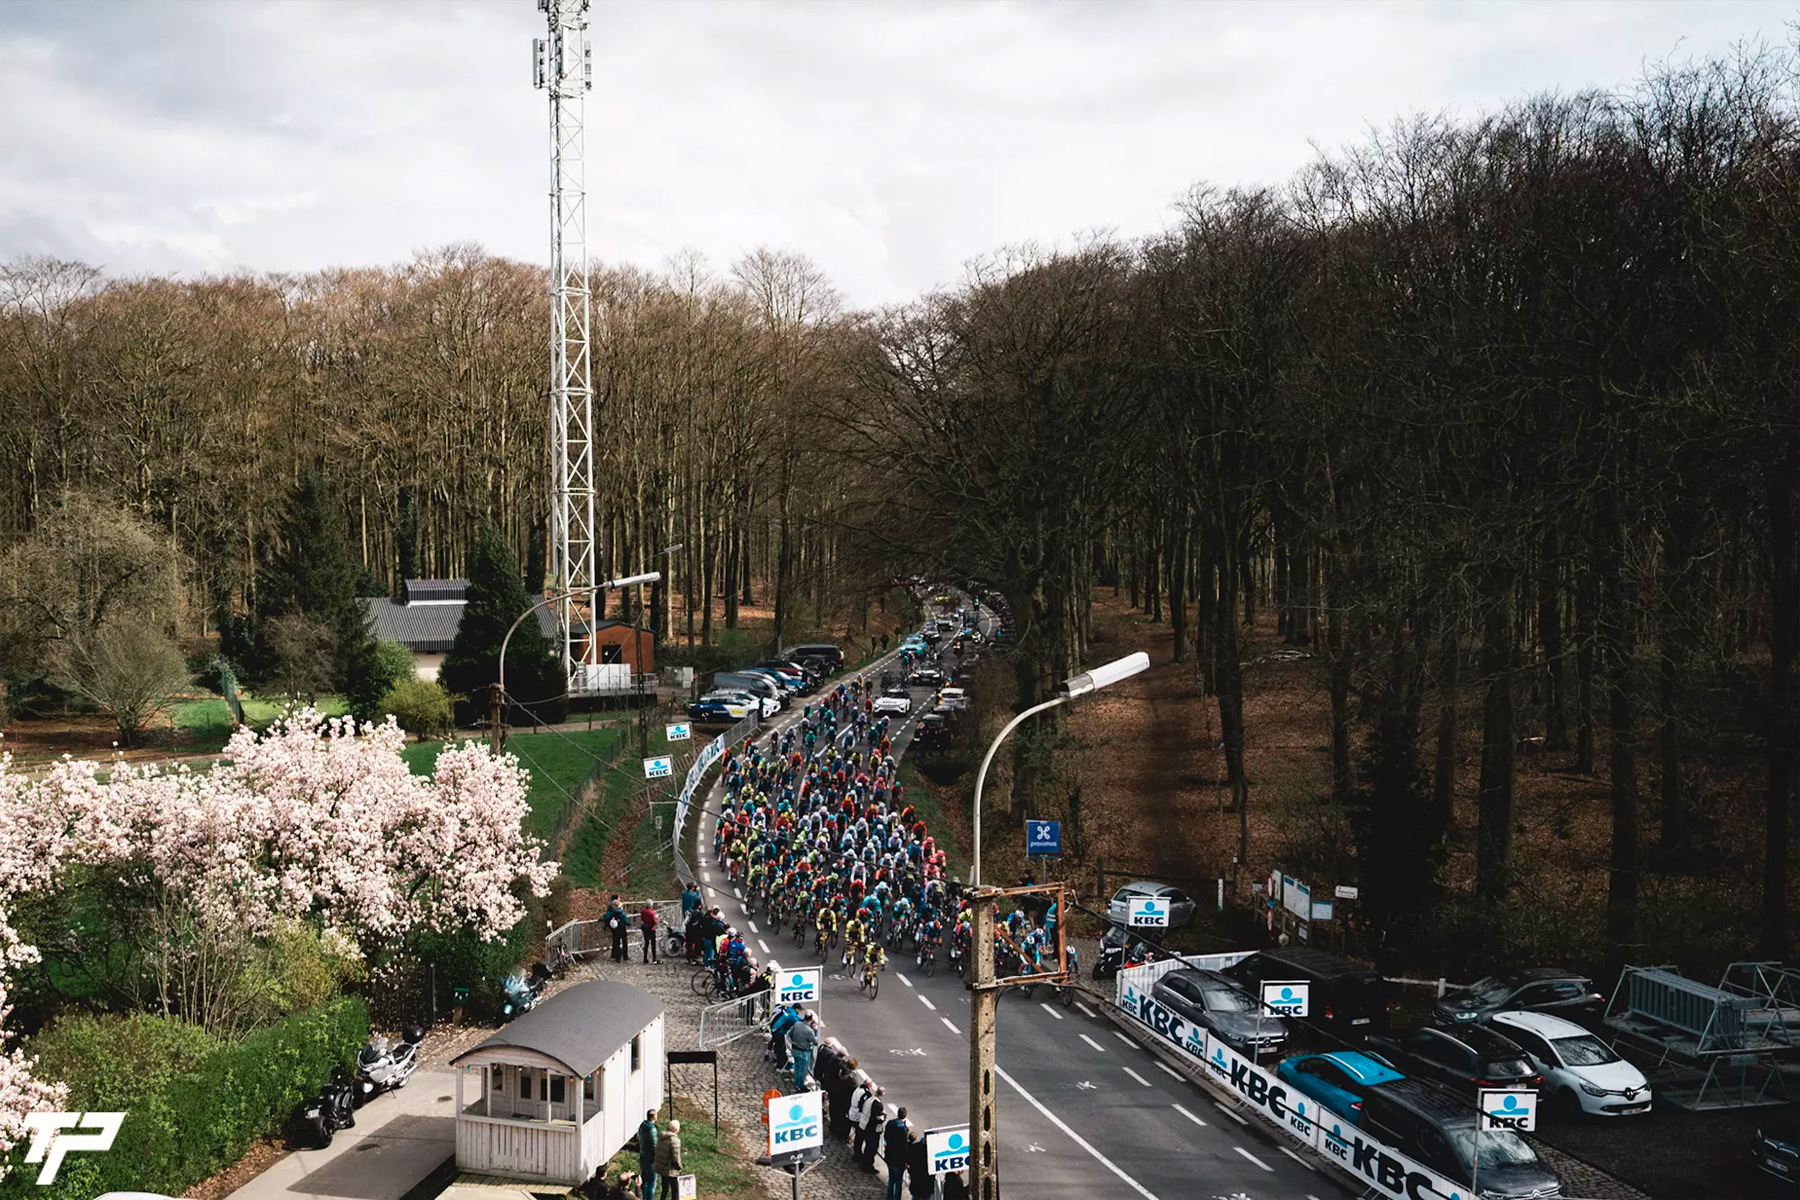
x: 703, y: 762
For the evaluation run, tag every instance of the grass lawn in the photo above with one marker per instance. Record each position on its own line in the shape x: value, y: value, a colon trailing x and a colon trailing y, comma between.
x: 622, y: 805
x: 559, y: 764
x: 207, y: 723
x: 720, y: 1171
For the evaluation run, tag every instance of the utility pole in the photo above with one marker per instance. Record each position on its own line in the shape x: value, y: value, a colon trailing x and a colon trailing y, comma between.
x: 496, y: 732
x: 984, y: 1125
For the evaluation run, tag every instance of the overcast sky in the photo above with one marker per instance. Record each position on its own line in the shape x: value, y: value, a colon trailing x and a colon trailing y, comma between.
x: 891, y: 142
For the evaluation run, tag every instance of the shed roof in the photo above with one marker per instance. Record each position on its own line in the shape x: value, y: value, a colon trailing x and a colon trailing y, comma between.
x: 429, y: 624
x: 579, y: 1027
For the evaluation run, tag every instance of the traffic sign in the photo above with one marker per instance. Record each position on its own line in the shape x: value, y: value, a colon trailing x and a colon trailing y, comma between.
x: 1508, y: 1108
x: 1287, y: 999
x: 1043, y: 839
x: 658, y: 768
x: 947, y: 1149
x: 1148, y: 912
x: 796, y: 1122
x: 1346, y: 892
x: 678, y: 732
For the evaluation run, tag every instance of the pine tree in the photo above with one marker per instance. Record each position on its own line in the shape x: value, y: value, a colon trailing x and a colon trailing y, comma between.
x: 313, y: 574
x: 496, y: 598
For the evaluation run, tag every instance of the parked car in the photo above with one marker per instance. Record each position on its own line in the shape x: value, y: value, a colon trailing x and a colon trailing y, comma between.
x: 1776, y: 1147
x: 763, y: 706
x: 1552, y: 990
x: 709, y: 709
x: 1181, y: 909
x: 806, y: 678
x: 954, y: 698
x: 1347, y: 1000
x: 933, y: 732
x: 748, y: 681
x: 1215, y: 1003
x: 894, y: 700
x: 1338, y: 1080
x: 830, y: 652
x: 1582, y: 1074
x: 1437, y: 1127
x: 1464, y: 1060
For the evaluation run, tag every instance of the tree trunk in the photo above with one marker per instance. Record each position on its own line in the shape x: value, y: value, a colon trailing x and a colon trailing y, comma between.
x: 1341, y: 778
x: 1493, y: 841
x: 1784, y: 730
x: 1556, y: 721
x: 1584, y: 668
x: 1177, y: 560
x: 1615, y: 630
x: 1443, y: 777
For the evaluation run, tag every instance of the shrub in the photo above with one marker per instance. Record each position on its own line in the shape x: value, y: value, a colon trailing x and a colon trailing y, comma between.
x: 394, y: 663
x: 193, y: 1106
x: 421, y: 706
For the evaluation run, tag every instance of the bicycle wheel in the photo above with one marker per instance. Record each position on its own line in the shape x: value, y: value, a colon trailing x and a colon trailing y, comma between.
x: 800, y: 933
x: 699, y: 981
x: 1068, y: 996
x: 676, y: 944
x: 875, y: 985
x: 834, y: 938
x: 930, y: 966
x: 711, y: 987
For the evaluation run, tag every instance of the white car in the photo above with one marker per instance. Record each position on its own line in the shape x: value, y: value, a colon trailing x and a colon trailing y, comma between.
x: 1580, y: 1070
x: 766, y: 706
x: 894, y: 700
x: 954, y: 698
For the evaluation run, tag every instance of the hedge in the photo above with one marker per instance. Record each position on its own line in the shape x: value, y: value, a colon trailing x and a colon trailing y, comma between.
x: 193, y: 1106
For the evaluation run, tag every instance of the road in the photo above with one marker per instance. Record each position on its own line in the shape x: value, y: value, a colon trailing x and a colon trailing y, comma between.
x: 1085, y: 1111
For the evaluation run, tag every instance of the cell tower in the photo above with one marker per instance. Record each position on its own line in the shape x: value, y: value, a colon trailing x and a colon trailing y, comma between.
x: 563, y: 63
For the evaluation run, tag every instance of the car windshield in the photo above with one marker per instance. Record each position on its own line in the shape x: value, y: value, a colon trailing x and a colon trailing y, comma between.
x: 1489, y: 990
x: 1584, y: 1051
x: 1499, y: 1148
x: 1506, y: 1068
x: 1227, y: 1000
x: 895, y: 694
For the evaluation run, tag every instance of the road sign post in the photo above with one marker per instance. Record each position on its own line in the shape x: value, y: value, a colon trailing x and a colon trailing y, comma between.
x: 1513, y: 1109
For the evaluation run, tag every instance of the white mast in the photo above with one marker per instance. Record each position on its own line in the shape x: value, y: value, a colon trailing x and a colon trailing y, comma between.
x: 563, y: 63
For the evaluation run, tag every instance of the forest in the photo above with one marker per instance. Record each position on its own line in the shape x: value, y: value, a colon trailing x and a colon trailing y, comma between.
x: 1498, y: 411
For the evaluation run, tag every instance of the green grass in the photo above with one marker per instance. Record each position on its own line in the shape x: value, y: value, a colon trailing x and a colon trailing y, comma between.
x: 558, y: 763
x: 207, y: 723
x: 721, y: 1172
x: 921, y: 796
x: 620, y: 808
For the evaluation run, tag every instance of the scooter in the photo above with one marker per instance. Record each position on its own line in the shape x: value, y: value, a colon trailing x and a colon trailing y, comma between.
x: 334, y: 1108
x: 384, y: 1066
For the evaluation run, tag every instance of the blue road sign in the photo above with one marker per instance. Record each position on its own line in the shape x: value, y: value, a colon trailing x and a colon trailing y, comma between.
x: 1043, y: 839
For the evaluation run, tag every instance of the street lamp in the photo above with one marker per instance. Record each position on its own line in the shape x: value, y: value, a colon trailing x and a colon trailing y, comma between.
x: 983, y: 1120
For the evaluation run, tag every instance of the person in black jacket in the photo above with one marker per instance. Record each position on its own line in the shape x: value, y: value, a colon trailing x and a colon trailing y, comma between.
x: 893, y: 1151
x: 954, y: 1187
x: 918, y: 1168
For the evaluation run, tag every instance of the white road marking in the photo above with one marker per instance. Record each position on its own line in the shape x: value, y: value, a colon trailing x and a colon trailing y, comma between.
x: 1050, y: 1010
x: 1121, y: 1036
x: 1104, y: 1161
x: 1084, y: 1008
x: 904, y: 979
x: 764, y: 946
x: 1296, y: 1158
x: 950, y: 1027
x: 706, y: 876
x: 753, y: 928
x: 738, y: 893
x: 927, y: 1003
x: 1171, y: 1072
x: 1190, y: 1116
x: 1137, y: 1077
x: 1096, y: 1045
x: 1259, y: 1162
x: 1232, y: 1115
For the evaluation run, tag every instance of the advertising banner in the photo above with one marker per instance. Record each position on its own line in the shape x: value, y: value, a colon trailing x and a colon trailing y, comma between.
x: 797, y: 985
x: 1169, y: 1024
x: 796, y: 1122
x: 947, y: 1148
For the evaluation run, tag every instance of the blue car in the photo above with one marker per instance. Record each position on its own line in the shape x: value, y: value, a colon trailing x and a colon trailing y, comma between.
x: 1338, y: 1080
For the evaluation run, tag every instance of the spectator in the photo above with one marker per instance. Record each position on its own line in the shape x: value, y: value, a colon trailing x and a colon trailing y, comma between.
x: 859, y: 1100
x: 668, y: 1160
x: 619, y: 925
x: 690, y: 900
x: 647, y: 922
x: 783, y: 1019
x: 868, y: 1130
x: 830, y: 1063
x: 918, y: 1168
x: 690, y: 928
x: 840, y: 1093
x: 803, y: 1040
x: 646, y: 1139
x: 894, y: 1141
x: 954, y: 1187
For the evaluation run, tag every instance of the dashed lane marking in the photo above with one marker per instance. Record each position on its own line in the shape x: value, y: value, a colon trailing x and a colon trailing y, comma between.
x: 762, y: 945
x: 1259, y: 1162
x: 1084, y: 1008
x: 1104, y: 1161
x: 1137, y: 1077
x: 1296, y: 1158
x: 1050, y: 1010
x: 738, y: 893
x: 1171, y: 1072
x: 1096, y: 1045
x: 950, y: 1027
x: 1190, y: 1116
x: 926, y: 1001
x: 753, y: 928
x: 903, y: 978
x: 1123, y: 1038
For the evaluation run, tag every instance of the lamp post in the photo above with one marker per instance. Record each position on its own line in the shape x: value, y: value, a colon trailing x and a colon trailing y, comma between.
x: 554, y: 597
x: 983, y: 1122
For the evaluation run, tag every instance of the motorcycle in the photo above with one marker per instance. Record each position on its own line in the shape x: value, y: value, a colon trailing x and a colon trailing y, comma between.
x: 334, y: 1108
x: 521, y: 992
x: 384, y: 1066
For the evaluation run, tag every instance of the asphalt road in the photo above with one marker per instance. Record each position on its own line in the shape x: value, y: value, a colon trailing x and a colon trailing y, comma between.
x: 1084, y: 1110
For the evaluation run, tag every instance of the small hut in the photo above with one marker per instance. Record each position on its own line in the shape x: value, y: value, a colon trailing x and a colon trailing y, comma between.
x: 562, y: 1088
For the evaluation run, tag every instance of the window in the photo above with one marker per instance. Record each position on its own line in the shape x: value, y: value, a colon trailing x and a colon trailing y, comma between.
x: 587, y: 1088
x: 524, y: 1083
x: 637, y: 1052
x: 497, y: 1079
x: 557, y: 1094
x: 1585, y: 1050
x: 1228, y: 1000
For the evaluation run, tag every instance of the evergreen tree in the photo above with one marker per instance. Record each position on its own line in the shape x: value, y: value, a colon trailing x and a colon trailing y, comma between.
x: 497, y: 597
x: 313, y: 574
x: 406, y: 540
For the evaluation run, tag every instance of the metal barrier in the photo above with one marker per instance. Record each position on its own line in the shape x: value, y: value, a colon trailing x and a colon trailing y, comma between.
x: 725, y: 1022
x: 1715, y: 1047
x: 589, y: 935
x: 703, y: 762
x: 1143, y: 976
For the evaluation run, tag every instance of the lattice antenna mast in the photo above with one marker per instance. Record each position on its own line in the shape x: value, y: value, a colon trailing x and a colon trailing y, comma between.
x: 563, y: 64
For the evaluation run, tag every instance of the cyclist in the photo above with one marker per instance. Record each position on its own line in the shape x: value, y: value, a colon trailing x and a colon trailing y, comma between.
x: 856, y: 933
x: 874, y: 962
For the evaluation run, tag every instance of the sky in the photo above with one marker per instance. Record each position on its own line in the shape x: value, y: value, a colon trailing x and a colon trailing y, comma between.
x: 891, y: 143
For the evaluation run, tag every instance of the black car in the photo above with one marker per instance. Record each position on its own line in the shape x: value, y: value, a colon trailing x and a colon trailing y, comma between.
x: 1465, y: 1060
x: 1437, y: 1127
x: 933, y: 732
x: 1550, y: 990
x: 926, y: 677
x: 1346, y: 1000
x: 1215, y: 1003
x: 1776, y: 1149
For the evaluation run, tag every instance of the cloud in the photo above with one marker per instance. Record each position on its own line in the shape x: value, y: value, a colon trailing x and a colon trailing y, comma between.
x: 891, y: 142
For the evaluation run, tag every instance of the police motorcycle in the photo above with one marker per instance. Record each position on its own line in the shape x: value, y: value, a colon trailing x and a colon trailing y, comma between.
x: 384, y: 1065
x: 520, y: 992
x: 334, y: 1108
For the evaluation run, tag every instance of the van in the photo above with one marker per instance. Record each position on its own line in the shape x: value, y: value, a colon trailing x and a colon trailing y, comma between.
x: 1436, y: 1128
x: 1345, y: 999
x: 828, y: 651
x: 759, y: 685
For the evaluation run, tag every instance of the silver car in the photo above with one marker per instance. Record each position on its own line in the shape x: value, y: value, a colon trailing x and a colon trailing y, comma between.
x: 1181, y: 908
